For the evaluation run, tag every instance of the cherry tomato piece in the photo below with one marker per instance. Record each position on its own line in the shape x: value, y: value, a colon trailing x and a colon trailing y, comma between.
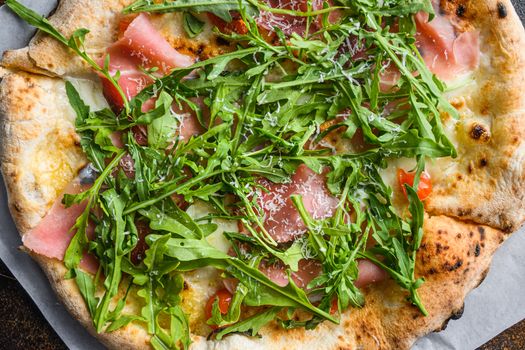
x: 225, y: 298
x: 334, y: 306
x: 236, y: 25
x: 124, y: 23
x: 424, y: 189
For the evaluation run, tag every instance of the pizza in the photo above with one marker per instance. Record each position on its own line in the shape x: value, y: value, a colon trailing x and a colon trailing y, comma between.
x: 270, y: 174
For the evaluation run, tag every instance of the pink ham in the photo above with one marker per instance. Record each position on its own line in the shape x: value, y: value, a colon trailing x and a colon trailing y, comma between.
x: 368, y: 273
x: 294, y: 24
x: 281, y: 219
x: 190, y: 126
x: 446, y: 52
x: 309, y: 269
x: 52, y: 235
x: 140, y: 46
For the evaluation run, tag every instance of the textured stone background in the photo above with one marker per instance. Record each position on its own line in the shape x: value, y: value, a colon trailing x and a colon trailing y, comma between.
x: 22, y: 326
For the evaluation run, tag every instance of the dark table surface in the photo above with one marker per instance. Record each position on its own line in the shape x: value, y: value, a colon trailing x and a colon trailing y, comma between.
x: 22, y: 326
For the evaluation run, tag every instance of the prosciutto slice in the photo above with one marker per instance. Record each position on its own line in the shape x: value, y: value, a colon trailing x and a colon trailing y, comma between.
x: 446, y: 51
x: 52, y: 235
x: 309, y: 269
x: 141, y: 46
x: 294, y: 24
x: 282, y: 220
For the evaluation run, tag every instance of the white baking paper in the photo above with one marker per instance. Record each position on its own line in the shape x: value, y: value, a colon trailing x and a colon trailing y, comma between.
x: 490, y: 309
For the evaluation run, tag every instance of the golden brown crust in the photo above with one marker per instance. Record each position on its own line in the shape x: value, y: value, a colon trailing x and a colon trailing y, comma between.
x: 44, y: 55
x: 453, y: 259
x: 132, y: 337
x: 454, y: 256
x: 486, y: 183
x: 39, y: 149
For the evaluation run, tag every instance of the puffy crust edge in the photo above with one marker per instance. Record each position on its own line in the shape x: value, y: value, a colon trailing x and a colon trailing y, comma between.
x: 44, y: 55
x: 36, y: 120
x: 488, y: 186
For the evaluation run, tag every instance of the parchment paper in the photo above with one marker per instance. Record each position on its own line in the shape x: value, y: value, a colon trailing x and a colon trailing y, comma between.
x: 491, y: 308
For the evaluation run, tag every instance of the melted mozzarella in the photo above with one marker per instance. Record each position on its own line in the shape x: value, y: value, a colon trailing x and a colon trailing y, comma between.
x: 216, y: 239
x: 91, y: 93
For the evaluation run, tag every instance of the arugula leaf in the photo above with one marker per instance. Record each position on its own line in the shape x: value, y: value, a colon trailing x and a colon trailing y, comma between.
x: 75, y: 42
x: 163, y: 130
x: 192, y: 25
x: 220, y: 8
x: 265, y: 108
x: 87, y: 290
x: 250, y: 325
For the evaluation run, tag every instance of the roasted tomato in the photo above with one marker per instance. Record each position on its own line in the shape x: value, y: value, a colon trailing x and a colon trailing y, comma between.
x: 424, y: 189
x: 124, y: 23
x: 225, y: 298
x: 334, y: 306
x: 237, y: 25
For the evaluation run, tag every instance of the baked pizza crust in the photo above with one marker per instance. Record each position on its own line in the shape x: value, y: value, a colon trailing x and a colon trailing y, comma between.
x: 457, y: 246
x: 39, y: 148
x: 487, y: 185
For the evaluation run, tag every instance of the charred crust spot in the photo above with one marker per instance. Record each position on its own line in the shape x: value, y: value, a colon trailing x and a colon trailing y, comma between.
x: 507, y: 227
x: 456, y: 315
x: 479, y: 132
x: 200, y: 50
x: 460, y: 177
x: 470, y: 169
x: 443, y: 326
x: 482, y: 277
x: 17, y: 207
x: 460, y: 10
x: 432, y: 271
x: 502, y: 10
x: 483, y: 162
x: 185, y: 286
x: 471, y: 234
x: 458, y: 236
x: 451, y: 268
x: 481, y: 231
x: 477, y: 250
x: 464, y: 212
x: 439, y: 248
x: 221, y: 41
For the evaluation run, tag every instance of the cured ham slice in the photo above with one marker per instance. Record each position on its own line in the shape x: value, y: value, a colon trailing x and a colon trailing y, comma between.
x: 282, y: 220
x: 140, y: 46
x: 52, y: 235
x: 446, y: 52
x: 309, y: 269
x: 294, y: 24
x: 368, y: 273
